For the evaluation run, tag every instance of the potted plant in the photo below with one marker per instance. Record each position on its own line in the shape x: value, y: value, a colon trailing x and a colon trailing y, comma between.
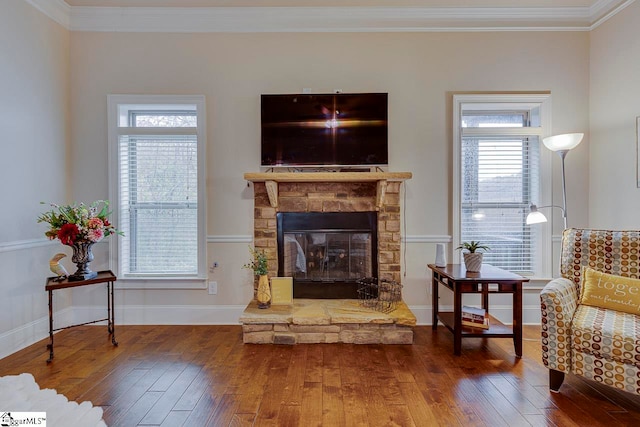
x: 472, y: 256
x: 259, y: 265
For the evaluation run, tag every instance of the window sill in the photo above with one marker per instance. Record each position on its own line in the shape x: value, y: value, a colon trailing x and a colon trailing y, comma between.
x: 161, y: 283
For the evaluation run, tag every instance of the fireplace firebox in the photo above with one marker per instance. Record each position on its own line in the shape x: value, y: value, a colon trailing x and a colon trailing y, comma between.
x: 327, y: 252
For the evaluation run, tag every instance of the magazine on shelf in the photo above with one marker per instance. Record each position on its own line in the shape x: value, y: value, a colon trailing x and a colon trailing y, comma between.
x: 473, y: 314
x: 483, y: 325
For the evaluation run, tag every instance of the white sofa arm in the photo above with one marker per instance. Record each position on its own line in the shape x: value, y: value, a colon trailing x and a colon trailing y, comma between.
x: 559, y: 300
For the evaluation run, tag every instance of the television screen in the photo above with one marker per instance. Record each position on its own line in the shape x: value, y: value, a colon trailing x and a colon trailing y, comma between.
x: 341, y: 129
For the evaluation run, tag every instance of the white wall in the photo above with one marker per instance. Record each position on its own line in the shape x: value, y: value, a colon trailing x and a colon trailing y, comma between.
x: 50, y: 75
x: 419, y: 71
x: 34, y: 118
x: 615, y: 104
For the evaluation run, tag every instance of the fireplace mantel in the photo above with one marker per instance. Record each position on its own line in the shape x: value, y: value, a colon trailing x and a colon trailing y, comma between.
x: 271, y: 180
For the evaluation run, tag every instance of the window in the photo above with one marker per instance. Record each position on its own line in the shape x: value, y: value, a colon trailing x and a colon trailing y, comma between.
x: 498, y: 174
x: 157, y: 188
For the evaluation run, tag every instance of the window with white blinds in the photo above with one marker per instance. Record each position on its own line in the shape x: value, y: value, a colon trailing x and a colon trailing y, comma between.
x: 499, y: 168
x: 500, y: 176
x: 159, y: 182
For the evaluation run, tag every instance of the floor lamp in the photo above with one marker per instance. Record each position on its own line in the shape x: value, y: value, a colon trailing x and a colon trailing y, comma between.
x: 561, y: 144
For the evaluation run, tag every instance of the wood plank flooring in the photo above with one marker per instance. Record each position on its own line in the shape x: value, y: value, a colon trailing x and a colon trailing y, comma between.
x: 205, y: 376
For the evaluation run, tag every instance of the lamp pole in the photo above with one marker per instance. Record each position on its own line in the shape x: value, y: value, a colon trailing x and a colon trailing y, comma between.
x: 561, y: 144
x: 563, y: 154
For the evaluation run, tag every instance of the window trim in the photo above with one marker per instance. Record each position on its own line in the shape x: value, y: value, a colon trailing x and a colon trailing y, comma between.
x: 156, y: 281
x: 544, y: 246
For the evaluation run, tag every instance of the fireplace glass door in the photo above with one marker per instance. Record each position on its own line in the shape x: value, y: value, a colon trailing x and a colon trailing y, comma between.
x: 327, y: 256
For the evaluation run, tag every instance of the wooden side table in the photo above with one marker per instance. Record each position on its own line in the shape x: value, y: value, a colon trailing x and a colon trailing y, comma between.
x: 103, y: 277
x: 489, y: 280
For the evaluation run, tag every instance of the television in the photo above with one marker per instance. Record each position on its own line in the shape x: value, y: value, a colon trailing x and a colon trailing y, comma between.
x: 324, y: 130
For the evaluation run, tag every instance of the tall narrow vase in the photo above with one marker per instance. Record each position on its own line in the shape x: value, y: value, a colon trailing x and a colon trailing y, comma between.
x: 82, y: 256
x: 264, y: 292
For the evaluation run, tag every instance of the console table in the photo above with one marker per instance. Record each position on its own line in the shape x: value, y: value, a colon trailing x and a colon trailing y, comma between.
x: 103, y: 277
x: 490, y: 280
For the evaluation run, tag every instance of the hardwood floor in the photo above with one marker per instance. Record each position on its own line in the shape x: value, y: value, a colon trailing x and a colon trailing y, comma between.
x: 205, y: 376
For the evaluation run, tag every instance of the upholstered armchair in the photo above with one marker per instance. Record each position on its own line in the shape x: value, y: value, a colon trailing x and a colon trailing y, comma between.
x: 594, y: 342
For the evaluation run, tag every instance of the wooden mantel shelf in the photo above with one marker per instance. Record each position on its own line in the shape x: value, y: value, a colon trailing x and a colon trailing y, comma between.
x: 326, y: 176
x: 271, y: 180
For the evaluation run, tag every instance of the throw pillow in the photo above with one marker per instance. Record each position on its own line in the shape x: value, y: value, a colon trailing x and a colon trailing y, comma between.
x: 610, y: 291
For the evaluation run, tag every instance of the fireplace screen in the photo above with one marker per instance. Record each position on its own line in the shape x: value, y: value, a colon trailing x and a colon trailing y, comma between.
x: 321, y: 256
x: 327, y: 252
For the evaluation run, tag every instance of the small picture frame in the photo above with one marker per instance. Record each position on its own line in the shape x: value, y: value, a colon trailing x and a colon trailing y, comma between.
x: 281, y: 290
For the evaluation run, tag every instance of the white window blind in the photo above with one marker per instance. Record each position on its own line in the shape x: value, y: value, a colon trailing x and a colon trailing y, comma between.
x: 159, y: 197
x: 498, y: 163
x: 500, y: 178
x: 160, y: 181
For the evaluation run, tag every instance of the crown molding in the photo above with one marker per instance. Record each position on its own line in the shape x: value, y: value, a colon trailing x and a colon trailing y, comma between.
x: 328, y: 19
x: 607, y: 11
x: 603, y: 7
x: 57, y: 10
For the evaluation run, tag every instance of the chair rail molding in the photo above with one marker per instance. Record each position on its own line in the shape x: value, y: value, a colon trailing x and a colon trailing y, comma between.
x: 231, y: 238
x: 18, y: 245
x: 427, y: 238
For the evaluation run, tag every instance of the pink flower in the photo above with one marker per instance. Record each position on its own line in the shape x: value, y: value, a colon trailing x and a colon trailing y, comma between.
x: 95, y: 235
x: 95, y: 222
x: 68, y: 234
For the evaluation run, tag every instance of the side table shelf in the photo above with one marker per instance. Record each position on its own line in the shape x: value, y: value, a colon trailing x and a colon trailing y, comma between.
x: 496, y: 328
x: 490, y: 280
x: 53, y: 284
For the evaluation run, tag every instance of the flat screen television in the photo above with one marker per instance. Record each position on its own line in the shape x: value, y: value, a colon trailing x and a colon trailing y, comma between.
x: 324, y: 130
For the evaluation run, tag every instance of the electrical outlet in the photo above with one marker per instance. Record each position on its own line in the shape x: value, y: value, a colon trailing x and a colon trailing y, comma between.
x: 213, y: 288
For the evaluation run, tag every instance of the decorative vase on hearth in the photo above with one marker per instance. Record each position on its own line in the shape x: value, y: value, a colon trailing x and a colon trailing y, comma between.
x: 82, y: 256
x: 264, y: 292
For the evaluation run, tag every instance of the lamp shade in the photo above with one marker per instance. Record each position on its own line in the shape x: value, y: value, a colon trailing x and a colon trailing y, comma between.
x: 535, y: 216
x: 565, y: 141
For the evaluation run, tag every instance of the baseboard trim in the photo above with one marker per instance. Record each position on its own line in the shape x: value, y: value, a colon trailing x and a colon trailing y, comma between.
x: 165, y: 314
x: 32, y: 332
x: 229, y: 314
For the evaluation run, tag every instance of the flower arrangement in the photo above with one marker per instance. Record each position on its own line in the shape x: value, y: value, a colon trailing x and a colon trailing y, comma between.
x: 78, y: 223
x: 259, y: 262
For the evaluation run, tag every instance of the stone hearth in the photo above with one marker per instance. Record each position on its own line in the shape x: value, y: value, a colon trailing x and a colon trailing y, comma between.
x: 326, y: 321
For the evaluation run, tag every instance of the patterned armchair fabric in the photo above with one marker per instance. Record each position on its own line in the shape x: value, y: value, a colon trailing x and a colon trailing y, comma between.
x: 596, y: 343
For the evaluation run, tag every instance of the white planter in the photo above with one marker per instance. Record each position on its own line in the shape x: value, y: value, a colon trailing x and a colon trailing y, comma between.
x: 473, y: 261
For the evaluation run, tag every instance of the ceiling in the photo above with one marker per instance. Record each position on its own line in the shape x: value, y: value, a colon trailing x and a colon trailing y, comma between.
x: 329, y: 15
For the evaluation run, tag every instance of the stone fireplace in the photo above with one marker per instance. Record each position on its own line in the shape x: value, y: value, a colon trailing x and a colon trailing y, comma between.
x: 376, y: 195
x: 326, y: 230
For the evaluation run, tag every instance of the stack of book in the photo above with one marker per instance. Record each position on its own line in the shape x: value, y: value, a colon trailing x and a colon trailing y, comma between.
x: 474, y: 317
